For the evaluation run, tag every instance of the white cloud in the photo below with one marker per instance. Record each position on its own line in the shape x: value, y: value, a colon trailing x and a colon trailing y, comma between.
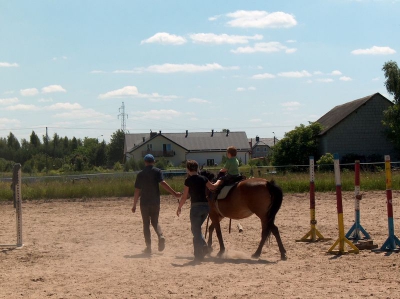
x: 186, y: 68
x: 167, y: 68
x: 199, y: 101
x: 317, y: 73
x: 326, y: 80
x: 270, y: 47
x: 155, y: 97
x: 263, y: 76
x: 62, y: 57
x: 132, y: 91
x: 64, y: 106
x: 22, y: 107
x: 376, y: 79
x: 211, y: 38
x: 336, y: 73
x: 291, y: 41
x: 244, y: 88
x: 6, y: 122
x: 255, y: 120
x: 43, y: 100
x: 118, y: 93
x: 214, y: 18
x: 83, y: 114
x: 29, y: 92
x: 374, y: 51
x: 261, y: 19
x: 156, y: 114
x: 8, y: 101
x: 7, y: 64
x: 345, y: 78
x: 97, y: 72
x: 301, y: 74
x: 53, y: 88
x: 290, y: 106
x: 126, y: 72
x: 164, y: 38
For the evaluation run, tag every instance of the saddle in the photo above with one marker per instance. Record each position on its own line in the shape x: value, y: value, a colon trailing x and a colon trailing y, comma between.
x: 228, y: 185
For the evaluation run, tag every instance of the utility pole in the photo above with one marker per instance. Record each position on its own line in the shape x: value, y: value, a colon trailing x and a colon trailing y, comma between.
x: 123, y: 115
x: 47, y: 145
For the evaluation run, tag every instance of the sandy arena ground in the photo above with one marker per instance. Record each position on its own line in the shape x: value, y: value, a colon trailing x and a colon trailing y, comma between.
x: 93, y: 249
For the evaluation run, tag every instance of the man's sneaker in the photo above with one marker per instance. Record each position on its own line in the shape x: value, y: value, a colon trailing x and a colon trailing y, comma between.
x: 161, y: 243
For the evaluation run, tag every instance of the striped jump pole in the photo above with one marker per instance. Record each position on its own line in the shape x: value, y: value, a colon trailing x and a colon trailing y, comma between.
x: 392, y: 243
x: 16, y: 187
x: 342, y: 240
x: 312, y: 235
x: 356, y: 230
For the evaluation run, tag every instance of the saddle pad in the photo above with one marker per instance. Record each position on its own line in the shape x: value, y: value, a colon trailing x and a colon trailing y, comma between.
x: 224, y: 192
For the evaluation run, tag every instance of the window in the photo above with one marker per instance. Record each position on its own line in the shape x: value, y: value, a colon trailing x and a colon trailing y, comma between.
x: 210, y: 162
x: 167, y: 147
x: 149, y: 146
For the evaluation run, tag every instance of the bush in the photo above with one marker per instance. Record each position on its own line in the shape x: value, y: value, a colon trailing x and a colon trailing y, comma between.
x: 325, y: 163
x: 117, y: 166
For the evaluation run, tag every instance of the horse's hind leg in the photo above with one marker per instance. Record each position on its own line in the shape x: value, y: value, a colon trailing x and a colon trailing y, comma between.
x: 275, y: 232
x: 220, y: 240
x: 264, y: 233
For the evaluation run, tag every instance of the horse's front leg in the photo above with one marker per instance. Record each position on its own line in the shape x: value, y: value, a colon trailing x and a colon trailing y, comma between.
x: 210, y: 232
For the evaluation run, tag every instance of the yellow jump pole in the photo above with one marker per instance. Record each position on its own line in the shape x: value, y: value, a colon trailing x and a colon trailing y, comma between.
x: 342, y: 239
x: 312, y: 235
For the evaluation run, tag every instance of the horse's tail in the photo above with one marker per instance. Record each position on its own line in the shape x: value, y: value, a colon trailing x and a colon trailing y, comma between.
x: 276, y: 202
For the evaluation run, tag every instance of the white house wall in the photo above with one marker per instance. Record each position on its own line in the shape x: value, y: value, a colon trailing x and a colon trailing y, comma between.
x: 202, y: 157
x: 157, y: 145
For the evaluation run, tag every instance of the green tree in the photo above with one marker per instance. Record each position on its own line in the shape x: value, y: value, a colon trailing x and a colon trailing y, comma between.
x: 34, y: 140
x: 391, y: 117
x: 296, y: 147
x: 12, y: 142
x: 115, y: 151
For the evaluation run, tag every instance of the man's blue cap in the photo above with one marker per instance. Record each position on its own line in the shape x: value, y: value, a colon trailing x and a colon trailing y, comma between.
x: 149, y: 158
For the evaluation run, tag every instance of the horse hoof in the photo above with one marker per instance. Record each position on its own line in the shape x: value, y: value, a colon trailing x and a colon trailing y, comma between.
x: 220, y: 253
x: 255, y: 256
x: 283, y: 257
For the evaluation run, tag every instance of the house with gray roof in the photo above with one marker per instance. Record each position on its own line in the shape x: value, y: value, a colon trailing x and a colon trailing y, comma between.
x: 207, y: 148
x: 356, y: 128
x: 261, y: 147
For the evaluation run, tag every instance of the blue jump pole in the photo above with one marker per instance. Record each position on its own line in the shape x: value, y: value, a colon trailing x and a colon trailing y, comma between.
x: 356, y: 230
x: 392, y: 243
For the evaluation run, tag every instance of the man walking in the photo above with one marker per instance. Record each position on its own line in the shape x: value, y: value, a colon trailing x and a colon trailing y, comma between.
x: 147, y: 189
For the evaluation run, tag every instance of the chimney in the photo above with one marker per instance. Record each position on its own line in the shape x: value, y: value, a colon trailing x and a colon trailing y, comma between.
x: 187, y: 133
x: 257, y: 139
x: 160, y: 132
x: 227, y: 133
x: 144, y: 139
x: 212, y: 132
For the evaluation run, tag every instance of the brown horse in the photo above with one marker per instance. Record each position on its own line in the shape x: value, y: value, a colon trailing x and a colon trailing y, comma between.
x: 251, y: 196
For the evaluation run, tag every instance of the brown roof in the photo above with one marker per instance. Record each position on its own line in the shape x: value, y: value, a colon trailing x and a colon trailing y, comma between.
x: 339, y: 113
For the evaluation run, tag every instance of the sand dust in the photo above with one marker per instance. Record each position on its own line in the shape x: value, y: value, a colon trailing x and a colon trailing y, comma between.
x: 93, y: 249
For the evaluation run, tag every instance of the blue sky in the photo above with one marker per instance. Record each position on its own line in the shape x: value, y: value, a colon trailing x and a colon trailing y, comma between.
x: 263, y: 67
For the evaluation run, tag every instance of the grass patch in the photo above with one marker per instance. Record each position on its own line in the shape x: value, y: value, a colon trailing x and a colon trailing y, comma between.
x: 123, y: 185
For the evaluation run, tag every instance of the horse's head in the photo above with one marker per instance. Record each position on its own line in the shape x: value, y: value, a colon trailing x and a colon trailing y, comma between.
x: 208, y: 174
